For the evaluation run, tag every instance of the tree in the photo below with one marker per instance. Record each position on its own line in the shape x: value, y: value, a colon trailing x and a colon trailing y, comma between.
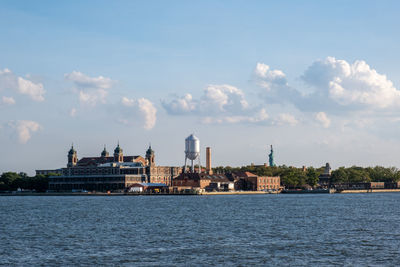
x: 8, y: 180
x: 293, y: 178
x: 340, y: 176
x: 312, y: 176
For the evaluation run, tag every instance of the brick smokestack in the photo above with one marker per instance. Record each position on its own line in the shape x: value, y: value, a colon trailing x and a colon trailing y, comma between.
x: 208, y: 161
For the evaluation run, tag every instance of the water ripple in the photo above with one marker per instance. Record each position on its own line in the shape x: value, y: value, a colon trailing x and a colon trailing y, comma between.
x: 259, y: 230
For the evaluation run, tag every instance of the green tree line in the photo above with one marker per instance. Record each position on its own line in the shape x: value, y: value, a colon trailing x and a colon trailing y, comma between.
x: 292, y: 177
x: 370, y: 174
x: 11, y: 181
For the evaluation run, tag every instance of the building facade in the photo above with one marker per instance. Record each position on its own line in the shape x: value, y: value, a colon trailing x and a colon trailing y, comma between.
x: 107, y: 173
x: 324, y: 180
x: 251, y: 182
x: 208, y: 182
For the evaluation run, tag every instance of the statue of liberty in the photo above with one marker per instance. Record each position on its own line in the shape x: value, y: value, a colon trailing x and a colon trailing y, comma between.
x: 271, y: 158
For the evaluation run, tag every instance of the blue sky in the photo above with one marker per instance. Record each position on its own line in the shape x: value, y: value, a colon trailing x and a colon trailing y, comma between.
x: 318, y: 80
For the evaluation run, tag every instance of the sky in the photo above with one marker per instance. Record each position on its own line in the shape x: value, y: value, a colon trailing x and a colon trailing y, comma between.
x: 318, y: 80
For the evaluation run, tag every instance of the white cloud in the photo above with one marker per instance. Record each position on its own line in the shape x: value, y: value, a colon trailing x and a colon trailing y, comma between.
x: 215, y: 99
x: 218, y: 104
x: 338, y: 87
x: 140, y: 108
x: 322, y: 118
x: 351, y: 84
x: 223, y: 98
x: 180, y: 105
x: 149, y: 111
x: 92, y: 97
x: 83, y: 81
x: 8, y: 100
x: 268, y: 78
x: 24, y: 129
x: 128, y: 102
x: 92, y: 90
x: 9, y: 80
x: 34, y: 90
x: 276, y: 89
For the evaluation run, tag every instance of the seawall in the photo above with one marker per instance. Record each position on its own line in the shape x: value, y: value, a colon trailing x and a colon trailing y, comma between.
x: 368, y: 191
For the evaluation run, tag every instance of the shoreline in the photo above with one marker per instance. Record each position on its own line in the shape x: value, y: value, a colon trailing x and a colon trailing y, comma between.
x: 368, y: 191
x: 137, y: 194
x: 362, y: 191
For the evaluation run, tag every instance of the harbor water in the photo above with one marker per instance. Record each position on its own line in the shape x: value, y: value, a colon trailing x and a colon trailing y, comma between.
x: 233, y: 230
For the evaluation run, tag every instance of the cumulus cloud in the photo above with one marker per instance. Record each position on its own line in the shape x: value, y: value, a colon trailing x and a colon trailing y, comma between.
x: 268, y: 78
x: 215, y: 98
x: 149, y: 111
x: 34, y: 90
x: 92, y: 97
x: 322, y: 118
x: 218, y: 104
x: 275, y: 85
x: 83, y: 81
x: 351, y: 84
x: 180, y: 105
x: 142, y: 108
x: 91, y: 90
x: 24, y: 129
x: 337, y: 86
x: 8, y: 100
x: 223, y: 98
x: 8, y: 80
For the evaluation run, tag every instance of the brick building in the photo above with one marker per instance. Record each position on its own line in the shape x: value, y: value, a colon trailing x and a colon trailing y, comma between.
x: 252, y: 182
x: 209, y: 182
x: 107, y: 172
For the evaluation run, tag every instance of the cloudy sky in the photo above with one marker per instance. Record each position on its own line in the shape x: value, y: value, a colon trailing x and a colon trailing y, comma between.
x: 319, y: 81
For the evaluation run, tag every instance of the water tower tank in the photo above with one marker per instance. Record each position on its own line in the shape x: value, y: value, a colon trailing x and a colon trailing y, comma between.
x: 192, y: 147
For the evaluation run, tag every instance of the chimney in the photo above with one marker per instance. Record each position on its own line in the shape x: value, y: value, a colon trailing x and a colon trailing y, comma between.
x: 208, y: 161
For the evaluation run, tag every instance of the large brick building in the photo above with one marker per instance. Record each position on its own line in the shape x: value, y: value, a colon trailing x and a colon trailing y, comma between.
x: 252, y: 182
x: 107, y: 172
x: 206, y: 181
x: 245, y: 181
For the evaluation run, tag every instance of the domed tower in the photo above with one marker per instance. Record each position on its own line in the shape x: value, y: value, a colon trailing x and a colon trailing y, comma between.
x: 72, y: 157
x: 150, y: 156
x: 104, y: 153
x: 118, y: 155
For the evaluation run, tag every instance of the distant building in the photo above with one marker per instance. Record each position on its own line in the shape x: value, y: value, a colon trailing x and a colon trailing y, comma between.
x: 392, y: 185
x: 252, y: 182
x: 325, y: 178
x: 107, y: 172
x: 360, y: 186
x: 208, y: 182
x: 148, y: 187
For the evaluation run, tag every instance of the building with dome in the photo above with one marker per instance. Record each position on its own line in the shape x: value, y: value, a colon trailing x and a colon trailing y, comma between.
x: 104, y: 173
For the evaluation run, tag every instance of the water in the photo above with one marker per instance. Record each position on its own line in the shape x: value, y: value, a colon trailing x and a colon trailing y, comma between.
x: 239, y: 230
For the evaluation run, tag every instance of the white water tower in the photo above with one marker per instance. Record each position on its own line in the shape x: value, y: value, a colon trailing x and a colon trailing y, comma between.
x: 192, y: 150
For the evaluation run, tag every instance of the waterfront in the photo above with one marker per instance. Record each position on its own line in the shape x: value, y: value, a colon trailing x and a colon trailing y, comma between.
x: 327, y: 229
